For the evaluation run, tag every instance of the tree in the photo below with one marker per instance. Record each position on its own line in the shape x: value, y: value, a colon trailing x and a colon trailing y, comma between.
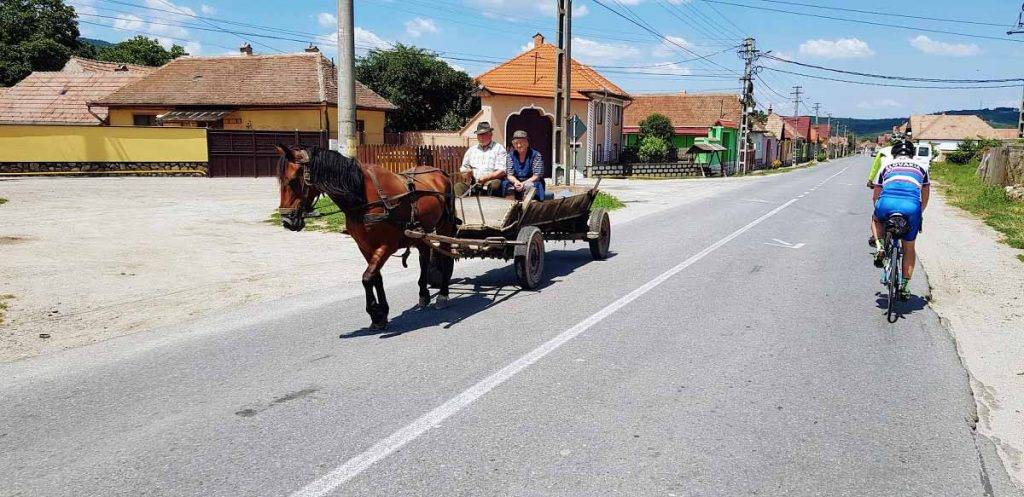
x: 652, y: 149
x: 657, y: 125
x: 429, y: 93
x: 35, y: 35
x: 140, y: 50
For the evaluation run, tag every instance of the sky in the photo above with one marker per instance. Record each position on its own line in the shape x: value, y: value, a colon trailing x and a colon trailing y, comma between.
x: 688, y: 45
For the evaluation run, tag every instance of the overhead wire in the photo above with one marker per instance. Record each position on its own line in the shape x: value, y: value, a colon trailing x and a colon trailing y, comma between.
x: 862, y: 21
x: 885, y: 76
x: 892, y: 85
x: 880, y: 13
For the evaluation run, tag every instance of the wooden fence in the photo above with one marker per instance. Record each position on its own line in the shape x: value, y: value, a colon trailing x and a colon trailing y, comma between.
x: 401, y: 157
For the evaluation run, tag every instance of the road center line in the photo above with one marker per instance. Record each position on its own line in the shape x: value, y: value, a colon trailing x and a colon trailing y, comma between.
x: 382, y: 449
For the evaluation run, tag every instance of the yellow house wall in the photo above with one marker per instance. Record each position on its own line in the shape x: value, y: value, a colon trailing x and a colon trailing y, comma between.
x: 306, y: 119
x: 101, y: 144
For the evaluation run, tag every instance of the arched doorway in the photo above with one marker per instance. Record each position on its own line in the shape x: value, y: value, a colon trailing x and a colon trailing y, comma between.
x: 539, y: 127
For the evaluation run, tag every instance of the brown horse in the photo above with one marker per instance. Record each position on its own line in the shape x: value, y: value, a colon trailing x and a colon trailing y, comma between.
x: 379, y: 206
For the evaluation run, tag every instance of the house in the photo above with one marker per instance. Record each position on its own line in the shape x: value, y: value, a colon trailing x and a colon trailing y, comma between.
x: 794, y: 137
x: 766, y: 145
x: 519, y: 95
x: 61, y: 97
x: 288, y: 92
x: 696, y: 118
x: 946, y: 132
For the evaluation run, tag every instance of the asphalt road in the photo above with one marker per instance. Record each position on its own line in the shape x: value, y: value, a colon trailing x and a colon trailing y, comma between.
x: 731, y: 347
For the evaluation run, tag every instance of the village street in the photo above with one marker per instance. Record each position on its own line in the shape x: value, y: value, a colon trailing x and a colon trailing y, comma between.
x: 730, y: 346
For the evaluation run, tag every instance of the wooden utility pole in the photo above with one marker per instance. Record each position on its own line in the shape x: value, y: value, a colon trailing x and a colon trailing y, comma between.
x: 748, y: 53
x: 347, y: 139
x: 563, y: 88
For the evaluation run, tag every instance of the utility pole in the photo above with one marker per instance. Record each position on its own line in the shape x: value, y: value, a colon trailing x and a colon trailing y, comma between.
x: 347, y: 140
x: 1020, y: 112
x: 749, y: 53
x: 563, y: 87
x: 797, y: 92
x: 817, y: 109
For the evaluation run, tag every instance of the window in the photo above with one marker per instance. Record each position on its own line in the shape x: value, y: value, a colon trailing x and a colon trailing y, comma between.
x: 360, y: 131
x: 923, y: 152
x: 600, y: 153
x: 599, y: 109
x: 144, y: 120
x: 617, y: 111
x: 615, y: 152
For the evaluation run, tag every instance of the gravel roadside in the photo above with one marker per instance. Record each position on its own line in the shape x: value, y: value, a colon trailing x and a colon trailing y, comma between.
x: 978, y: 290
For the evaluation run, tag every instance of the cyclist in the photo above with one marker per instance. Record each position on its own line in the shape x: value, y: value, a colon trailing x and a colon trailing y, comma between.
x: 884, y: 156
x: 901, y: 187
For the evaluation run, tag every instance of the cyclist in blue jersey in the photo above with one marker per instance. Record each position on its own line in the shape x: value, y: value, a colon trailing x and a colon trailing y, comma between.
x: 902, y: 187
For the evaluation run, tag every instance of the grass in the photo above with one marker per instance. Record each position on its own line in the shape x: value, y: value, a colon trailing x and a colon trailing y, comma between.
x: 3, y: 306
x: 964, y: 189
x: 606, y: 201
x: 331, y: 220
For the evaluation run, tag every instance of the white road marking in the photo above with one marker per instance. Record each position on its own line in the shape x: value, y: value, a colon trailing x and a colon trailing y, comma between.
x: 783, y: 244
x: 382, y: 449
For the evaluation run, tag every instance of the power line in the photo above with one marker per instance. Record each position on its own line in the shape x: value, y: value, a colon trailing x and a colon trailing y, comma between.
x: 862, y: 21
x: 148, y: 33
x: 900, y: 78
x: 886, y: 14
x: 200, y: 28
x: 165, y: 2
x: 659, y: 35
x: 873, y: 83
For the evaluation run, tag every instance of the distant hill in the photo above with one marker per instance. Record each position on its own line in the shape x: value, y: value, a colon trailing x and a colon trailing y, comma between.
x: 999, y: 117
x: 96, y: 43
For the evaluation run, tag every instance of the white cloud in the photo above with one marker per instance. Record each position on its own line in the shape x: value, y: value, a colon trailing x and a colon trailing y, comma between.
x: 882, y: 103
x: 932, y: 47
x: 327, y: 19
x: 550, y: 8
x: 83, y: 6
x: 526, y: 48
x: 129, y: 22
x: 666, y: 68
x: 207, y: 9
x: 168, y: 5
x: 365, y: 40
x: 457, y: 67
x: 594, y: 51
x: 420, y: 26
x: 842, y: 48
x: 671, y: 46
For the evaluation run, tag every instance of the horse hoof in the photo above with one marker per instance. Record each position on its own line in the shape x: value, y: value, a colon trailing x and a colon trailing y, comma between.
x: 424, y: 303
x: 442, y: 302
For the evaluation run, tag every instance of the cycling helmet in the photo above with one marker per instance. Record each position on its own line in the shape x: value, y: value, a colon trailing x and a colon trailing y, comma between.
x: 903, y: 147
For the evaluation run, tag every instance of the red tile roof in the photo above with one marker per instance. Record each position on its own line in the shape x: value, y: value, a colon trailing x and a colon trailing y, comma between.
x: 60, y: 97
x: 81, y: 65
x: 686, y: 110
x: 801, y: 126
x: 532, y: 74
x: 822, y: 131
x: 243, y: 80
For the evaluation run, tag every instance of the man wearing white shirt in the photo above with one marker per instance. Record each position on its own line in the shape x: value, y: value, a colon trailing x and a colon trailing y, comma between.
x: 484, y: 163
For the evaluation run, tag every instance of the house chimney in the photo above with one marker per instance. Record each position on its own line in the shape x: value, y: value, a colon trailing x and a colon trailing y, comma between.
x: 312, y: 48
x: 246, y: 49
x: 538, y: 40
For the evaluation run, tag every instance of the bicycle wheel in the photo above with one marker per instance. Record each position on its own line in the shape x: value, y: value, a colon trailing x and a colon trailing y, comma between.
x: 895, y: 273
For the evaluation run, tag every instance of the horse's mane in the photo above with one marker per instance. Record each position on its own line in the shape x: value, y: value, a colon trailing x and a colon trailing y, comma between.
x: 337, y: 175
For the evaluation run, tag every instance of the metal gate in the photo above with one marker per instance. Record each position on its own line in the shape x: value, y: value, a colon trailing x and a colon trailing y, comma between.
x: 250, y: 153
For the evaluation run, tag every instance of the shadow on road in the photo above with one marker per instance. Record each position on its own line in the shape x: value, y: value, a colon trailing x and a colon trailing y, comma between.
x: 479, y: 293
x: 903, y: 309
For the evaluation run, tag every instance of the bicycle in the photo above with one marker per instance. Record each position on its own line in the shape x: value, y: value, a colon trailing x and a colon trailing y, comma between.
x: 892, y: 267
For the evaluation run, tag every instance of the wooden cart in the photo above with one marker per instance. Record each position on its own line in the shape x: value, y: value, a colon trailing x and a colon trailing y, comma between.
x: 499, y: 228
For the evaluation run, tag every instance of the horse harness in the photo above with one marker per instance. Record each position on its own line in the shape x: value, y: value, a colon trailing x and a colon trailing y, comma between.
x: 391, y: 203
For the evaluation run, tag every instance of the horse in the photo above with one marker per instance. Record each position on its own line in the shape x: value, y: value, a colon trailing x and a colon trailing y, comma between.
x: 379, y: 207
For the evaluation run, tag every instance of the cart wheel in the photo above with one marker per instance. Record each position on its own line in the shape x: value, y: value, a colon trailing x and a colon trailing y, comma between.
x: 529, y: 258
x: 600, y: 223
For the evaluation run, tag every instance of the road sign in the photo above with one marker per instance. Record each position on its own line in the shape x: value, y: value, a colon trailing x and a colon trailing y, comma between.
x: 576, y: 127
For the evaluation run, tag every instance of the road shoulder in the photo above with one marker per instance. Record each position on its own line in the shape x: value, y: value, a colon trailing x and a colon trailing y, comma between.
x: 977, y: 286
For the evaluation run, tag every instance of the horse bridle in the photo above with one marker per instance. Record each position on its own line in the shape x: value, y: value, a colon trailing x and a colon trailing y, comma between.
x: 304, y: 185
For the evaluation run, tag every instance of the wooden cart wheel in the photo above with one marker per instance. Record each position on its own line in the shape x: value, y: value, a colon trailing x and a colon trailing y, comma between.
x: 529, y: 258
x: 600, y: 223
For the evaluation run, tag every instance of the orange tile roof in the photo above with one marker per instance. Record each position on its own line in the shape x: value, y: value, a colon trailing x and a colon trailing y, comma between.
x: 1006, y: 133
x: 532, y: 74
x: 60, y: 97
x: 685, y: 109
x: 82, y: 65
x: 243, y: 80
x: 949, y: 127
